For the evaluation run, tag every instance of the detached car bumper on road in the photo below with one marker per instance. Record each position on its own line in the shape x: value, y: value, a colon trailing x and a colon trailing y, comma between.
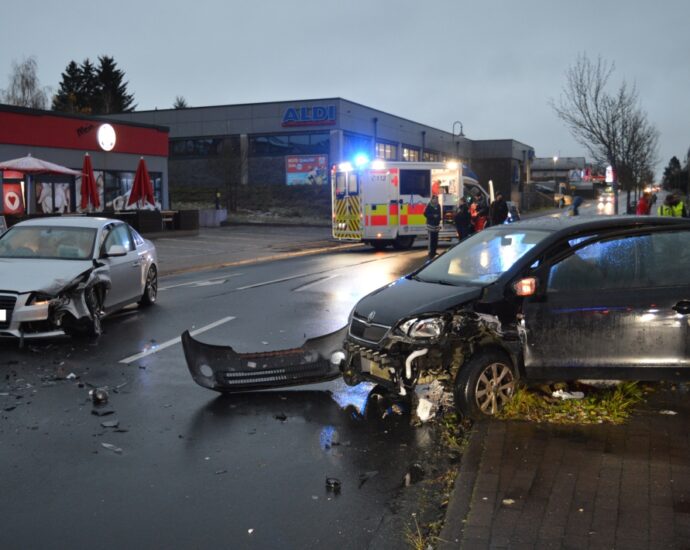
x: 549, y: 298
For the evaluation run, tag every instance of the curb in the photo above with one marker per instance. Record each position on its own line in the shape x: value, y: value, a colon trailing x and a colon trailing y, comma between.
x: 461, y: 498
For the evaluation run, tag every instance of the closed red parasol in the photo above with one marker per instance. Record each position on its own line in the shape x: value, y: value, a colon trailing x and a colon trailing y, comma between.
x: 142, y: 190
x: 89, y: 189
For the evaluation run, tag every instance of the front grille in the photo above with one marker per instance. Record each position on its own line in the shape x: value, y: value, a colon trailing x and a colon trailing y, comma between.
x: 368, y: 332
x: 7, y: 304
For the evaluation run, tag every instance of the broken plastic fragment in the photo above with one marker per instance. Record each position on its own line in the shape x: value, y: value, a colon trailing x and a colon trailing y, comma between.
x: 507, y: 501
x: 564, y: 395
x: 425, y: 409
x: 71, y: 376
x: 99, y: 396
x: 413, y: 475
x: 250, y: 531
x: 667, y: 412
x: 333, y: 484
x: 112, y: 447
x: 110, y: 423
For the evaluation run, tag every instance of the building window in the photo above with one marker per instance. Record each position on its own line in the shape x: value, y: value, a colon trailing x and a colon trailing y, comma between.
x: 289, y: 144
x: 118, y: 184
x: 199, y: 147
x: 410, y: 154
x: 386, y: 151
x: 432, y: 156
x: 355, y: 145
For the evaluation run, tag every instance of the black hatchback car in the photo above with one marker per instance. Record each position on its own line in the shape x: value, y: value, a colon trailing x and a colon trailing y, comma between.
x: 550, y: 298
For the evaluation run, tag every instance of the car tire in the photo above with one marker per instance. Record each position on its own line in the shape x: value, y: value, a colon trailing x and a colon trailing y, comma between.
x: 150, y: 288
x: 484, y: 384
x: 379, y: 245
x: 403, y: 242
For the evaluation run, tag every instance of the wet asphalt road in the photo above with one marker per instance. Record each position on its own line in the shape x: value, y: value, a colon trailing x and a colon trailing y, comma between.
x: 181, y: 467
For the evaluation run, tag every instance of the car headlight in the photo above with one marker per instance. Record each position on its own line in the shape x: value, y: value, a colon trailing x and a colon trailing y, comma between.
x: 428, y: 327
x: 39, y: 299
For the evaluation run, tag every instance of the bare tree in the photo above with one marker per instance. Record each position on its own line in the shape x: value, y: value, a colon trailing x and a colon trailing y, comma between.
x: 25, y: 89
x: 612, y: 126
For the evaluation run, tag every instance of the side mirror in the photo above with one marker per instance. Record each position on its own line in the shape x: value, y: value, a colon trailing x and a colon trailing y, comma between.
x: 526, y: 286
x: 116, y: 250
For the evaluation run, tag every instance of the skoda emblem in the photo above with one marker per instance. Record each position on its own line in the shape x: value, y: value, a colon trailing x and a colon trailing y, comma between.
x: 371, y: 316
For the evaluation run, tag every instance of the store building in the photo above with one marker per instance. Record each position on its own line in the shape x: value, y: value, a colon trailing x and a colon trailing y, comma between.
x: 295, y: 142
x: 115, y: 148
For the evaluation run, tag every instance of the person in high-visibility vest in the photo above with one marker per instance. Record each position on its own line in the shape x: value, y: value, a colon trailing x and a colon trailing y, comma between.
x: 673, y: 207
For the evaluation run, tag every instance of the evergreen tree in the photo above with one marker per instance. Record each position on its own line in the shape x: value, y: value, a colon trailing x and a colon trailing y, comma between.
x: 180, y: 103
x: 89, y: 88
x: 112, y: 96
x: 67, y: 98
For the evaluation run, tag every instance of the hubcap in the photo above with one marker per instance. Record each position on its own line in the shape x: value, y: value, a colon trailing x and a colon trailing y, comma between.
x: 495, y: 387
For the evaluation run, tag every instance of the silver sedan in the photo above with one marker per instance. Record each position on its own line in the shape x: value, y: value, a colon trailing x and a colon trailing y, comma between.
x: 64, y: 274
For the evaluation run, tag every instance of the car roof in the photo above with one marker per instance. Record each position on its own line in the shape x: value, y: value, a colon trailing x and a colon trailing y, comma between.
x: 91, y: 222
x: 574, y: 224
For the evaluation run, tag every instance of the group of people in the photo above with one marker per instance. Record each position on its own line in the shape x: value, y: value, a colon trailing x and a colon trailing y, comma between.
x: 468, y: 218
x: 673, y: 206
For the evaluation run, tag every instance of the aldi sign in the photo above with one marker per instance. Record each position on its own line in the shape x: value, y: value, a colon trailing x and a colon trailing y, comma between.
x: 321, y: 115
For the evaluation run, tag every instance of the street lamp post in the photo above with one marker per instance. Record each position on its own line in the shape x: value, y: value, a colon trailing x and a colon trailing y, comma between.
x: 457, y: 141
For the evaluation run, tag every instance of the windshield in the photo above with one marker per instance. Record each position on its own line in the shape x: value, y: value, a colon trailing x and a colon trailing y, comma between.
x: 482, y: 258
x: 49, y: 243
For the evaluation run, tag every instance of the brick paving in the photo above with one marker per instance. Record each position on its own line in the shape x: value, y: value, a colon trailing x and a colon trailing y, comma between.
x: 525, y: 485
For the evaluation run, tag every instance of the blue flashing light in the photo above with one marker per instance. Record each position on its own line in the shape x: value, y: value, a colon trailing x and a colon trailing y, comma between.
x: 361, y: 159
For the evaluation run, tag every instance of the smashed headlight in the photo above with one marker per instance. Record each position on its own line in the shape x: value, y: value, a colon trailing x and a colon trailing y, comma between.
x: 427, y: 327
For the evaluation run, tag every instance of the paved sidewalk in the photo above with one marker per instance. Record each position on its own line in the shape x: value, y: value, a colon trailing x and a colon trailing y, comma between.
x: 241, y: 244
x: 525, y: 485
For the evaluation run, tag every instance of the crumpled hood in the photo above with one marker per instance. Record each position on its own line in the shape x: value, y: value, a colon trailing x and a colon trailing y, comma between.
x: 27, y: 275
x: 408, y: 297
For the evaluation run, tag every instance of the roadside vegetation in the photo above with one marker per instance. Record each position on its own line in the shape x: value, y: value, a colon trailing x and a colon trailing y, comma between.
x: 598, y: 406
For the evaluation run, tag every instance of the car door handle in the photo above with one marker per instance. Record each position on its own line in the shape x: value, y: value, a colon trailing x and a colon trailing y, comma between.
x: 683, y: 307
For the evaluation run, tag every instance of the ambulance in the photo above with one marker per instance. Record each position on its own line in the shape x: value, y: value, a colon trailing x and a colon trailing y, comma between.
x: 382, y: 203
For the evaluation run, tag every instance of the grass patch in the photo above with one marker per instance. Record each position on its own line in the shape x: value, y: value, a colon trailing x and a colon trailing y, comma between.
x: 599, y: 406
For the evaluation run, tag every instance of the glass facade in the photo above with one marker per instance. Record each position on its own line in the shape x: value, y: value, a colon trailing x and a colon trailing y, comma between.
x: 289, y: 144
x: 410, y: 154
x: 386, y: 151
x: 355, y: 144
x: 195, y: 147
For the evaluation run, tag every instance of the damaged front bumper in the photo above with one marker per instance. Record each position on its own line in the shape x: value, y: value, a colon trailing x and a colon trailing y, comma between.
x: 52, y: 311
x: 222, y: 369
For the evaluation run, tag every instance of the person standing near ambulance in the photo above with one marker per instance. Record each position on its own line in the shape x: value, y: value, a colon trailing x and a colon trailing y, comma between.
x: 673, y: 207
x: 432, y: 213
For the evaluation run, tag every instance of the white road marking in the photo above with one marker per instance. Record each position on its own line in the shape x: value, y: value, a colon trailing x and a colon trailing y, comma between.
x: 164, y: 345
x: 309, y: 285
x: 203, y: 282
x: 272, y: 282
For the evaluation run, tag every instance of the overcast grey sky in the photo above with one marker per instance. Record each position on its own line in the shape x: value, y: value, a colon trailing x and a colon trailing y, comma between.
x: 491, y: 64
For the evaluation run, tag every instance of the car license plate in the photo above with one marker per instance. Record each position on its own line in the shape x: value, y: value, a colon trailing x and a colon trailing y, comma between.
x: 3, y: 315
x: 375, y: 369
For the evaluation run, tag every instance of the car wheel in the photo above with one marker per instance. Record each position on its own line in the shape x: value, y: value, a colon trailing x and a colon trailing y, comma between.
x: 403, y: 243
x: 379, y: 245
x: 484, y: 384
x: 151, y: 288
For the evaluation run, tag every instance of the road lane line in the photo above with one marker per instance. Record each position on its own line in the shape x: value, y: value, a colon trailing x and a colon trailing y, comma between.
x: 255, y: 285
x: 164, y: 345
x: 202, y: 282
x: 313, y: 283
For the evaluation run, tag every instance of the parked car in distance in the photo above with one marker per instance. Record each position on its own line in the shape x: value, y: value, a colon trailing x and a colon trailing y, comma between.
x: 64, y: 274
x: 544, y: 299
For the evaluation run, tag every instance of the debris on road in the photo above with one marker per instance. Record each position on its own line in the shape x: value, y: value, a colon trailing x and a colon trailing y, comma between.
x: 111, y: 447
x: 333, y: 484
x: 414, y: 475
x: 564, y: 395
x: 98, y: 396
x: 366, y: 476
x: 669, y: 413
x: 280, y: 416
x: 110, y: 423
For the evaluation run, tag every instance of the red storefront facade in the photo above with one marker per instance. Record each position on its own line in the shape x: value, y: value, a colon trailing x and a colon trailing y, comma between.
x: 115, y: 148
